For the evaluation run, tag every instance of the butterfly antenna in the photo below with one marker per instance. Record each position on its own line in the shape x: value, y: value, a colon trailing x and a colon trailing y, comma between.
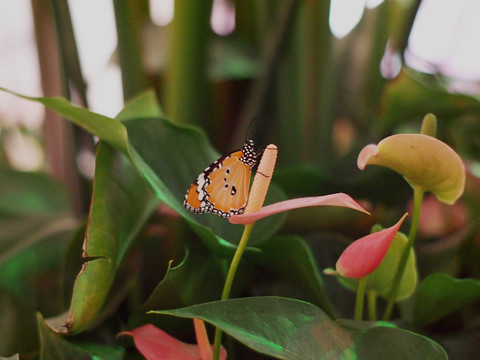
x: 249, y: 127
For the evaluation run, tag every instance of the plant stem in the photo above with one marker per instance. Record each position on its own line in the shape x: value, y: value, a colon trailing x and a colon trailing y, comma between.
x: 372, y: 305
x: 187, y: 71
x: 417, y: 203
x: 129, y: 17
x: 229, y: 281
x: 362, y: 284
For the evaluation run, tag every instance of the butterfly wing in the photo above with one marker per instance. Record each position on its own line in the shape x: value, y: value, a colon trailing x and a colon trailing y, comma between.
x: 222, y: 188
x: 228, y: 186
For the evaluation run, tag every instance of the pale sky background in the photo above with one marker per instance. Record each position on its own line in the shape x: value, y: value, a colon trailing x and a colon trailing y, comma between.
x: 444, y: 38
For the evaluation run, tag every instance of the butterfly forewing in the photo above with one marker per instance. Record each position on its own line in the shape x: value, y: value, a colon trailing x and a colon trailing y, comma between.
x: 223, y: 187
x: 228, y: 187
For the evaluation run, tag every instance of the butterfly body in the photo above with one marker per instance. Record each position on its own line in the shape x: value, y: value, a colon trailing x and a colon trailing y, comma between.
x: 222, y: 188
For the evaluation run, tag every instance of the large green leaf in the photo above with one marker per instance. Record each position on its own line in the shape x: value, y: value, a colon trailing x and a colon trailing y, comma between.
x: 102, y: 352
x: 196, y: 279
x: 120, y: 206
x: 396, y: 344
x: 291, y: 329
x: 440, y: 295
x: 290, y: 256
x: 54, y: 347
x: 383, y: 340
x: 280, y: 327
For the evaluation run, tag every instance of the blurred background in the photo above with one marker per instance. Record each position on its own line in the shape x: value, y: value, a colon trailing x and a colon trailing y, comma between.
x: 430, y: 36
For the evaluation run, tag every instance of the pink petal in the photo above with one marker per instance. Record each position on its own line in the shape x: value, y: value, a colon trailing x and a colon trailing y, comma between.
x: 202, y: 339
x: 155, y: 344
x: 367, y: 151
x: 339, y: 199
x: 364, y: 255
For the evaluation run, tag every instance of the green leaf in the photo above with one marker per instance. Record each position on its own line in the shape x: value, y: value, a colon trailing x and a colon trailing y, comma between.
x: 26, y: 193
x: 108, y: 129
x: 35, y: 226
x: 103, y: 352
x: 17, y: 326
x: 121, y: 204
x: 196, y: 279
x: 279, y: 327
x: 292, y: 329
x: 54, y: 347
x: 30, y: 268
x: 144, y: 105
x: 440, y: 295
x: 292, y: 257
x: 396, y: 344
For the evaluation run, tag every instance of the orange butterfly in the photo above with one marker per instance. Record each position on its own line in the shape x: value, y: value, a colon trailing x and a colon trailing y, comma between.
x: 223, y: 187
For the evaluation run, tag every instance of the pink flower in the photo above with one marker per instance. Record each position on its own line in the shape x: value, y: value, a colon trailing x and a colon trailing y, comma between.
x: 156, y: 344
x: 339, y: 199
x: 365, y: 254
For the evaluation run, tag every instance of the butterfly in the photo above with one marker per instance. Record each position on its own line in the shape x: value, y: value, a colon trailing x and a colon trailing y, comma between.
x: 222, y: 188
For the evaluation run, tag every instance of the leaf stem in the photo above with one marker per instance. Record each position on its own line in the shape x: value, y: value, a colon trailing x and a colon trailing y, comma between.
x: 247, y: 231
x: 372, y: 305
x: 362, y: 284
x: 417, y: 203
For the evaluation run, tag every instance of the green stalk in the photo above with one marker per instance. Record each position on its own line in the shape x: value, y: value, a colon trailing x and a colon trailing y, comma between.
x: 309, y: 45
x: 372, y: 305
x: 68, y: 49
x: 247, y: 231
x: 129, y: 20
x: 362, y: 284
x: 289, y: 120
x: 322, y: 138
x: 417, y: 203
x: 187, y: 87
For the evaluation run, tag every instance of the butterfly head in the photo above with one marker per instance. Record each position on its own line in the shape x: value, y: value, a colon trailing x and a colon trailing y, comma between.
x: 249, y: 154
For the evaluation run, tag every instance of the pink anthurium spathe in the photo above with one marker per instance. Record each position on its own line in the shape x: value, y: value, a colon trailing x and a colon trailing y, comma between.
x: 338, y: 199
x: 156, y: 344
x: 365, y: 254
x: 424, y: 161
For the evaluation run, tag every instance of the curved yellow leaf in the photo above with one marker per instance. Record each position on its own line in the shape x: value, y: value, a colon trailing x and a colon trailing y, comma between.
x: 425, y: 162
